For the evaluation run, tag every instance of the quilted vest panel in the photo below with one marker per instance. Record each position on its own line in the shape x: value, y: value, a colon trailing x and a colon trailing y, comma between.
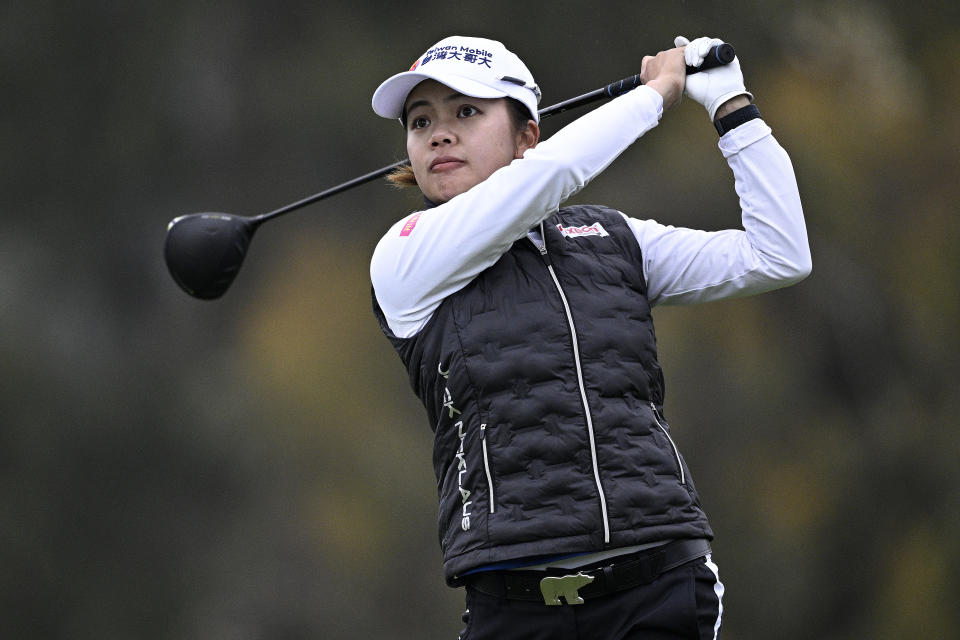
x: 541, y: 382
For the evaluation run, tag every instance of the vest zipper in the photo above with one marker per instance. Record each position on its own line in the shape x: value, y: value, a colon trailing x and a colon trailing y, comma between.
x: 676, y: 452
x: 583, y: 389
x: 486, y: 466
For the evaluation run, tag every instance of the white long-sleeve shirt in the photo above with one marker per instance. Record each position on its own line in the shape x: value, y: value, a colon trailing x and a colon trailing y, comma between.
x: 432, y: 254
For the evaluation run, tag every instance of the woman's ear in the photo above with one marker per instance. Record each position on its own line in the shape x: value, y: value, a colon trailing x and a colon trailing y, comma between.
x: 528, y: 138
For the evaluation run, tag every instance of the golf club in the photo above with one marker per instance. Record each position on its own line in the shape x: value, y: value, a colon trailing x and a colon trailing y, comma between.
x: 204, y: 251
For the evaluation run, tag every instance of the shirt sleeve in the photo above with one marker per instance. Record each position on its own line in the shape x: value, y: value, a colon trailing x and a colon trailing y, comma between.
x: 688, y: 266
x: 431, y: 254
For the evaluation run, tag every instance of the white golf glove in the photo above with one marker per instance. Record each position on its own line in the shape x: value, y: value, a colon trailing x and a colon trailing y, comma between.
x: 713, y: 87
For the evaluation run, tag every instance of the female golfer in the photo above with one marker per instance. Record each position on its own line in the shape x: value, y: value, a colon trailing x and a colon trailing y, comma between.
x: 566, y: 508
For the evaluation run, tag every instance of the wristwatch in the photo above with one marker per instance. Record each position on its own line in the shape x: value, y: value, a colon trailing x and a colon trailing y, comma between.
x: 735, y: 119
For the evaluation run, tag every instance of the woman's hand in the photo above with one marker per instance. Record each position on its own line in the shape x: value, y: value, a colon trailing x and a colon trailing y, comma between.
x: 666, y: 74
x: 720, y: 90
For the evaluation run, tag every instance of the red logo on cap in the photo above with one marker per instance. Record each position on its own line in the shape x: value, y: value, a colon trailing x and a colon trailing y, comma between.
x: 414, y: 65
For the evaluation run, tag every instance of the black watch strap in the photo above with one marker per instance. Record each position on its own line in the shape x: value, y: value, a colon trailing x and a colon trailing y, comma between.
x: 733, y: 120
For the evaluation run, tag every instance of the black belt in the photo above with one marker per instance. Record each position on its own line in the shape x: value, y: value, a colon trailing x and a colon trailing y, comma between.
x: 592, y: 581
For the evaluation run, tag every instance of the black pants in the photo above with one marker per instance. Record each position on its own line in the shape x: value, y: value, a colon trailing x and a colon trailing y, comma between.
x: 683, y: 603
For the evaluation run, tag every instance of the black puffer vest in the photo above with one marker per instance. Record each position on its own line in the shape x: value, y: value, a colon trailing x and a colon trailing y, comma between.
x: 541, y: 381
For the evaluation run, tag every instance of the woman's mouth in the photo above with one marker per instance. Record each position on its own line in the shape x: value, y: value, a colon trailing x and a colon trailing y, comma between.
x: 445, y: 163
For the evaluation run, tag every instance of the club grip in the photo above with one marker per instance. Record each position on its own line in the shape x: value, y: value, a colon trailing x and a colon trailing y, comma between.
x: 717, y: 56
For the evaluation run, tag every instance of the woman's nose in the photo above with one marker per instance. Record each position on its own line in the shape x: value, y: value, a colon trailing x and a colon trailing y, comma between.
x: 442, y: 136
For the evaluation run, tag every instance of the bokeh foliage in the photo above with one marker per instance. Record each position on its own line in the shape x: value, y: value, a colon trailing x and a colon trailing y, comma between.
x: 256, y: 467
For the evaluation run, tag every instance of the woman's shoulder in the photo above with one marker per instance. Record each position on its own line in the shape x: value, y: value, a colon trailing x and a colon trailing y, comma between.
x: 585, y: 213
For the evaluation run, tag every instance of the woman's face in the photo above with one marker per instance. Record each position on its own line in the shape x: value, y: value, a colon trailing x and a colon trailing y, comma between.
x: 455, y: 142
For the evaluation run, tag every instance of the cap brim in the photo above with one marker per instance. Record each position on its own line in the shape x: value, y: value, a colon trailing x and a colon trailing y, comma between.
x: 390, y: 96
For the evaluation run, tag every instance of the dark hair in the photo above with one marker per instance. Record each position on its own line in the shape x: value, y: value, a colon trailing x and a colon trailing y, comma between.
x: 519, y: 116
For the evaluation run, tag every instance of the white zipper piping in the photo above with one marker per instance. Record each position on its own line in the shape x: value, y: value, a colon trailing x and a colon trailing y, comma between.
x: 676, y: 452
x: 582, y: 385
x: 486, y: 465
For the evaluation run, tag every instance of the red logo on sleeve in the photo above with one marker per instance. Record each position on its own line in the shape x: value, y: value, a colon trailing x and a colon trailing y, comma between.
x: 411, y: 223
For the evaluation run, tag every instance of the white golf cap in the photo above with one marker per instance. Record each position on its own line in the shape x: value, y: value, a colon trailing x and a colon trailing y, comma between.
x: 475, y: 67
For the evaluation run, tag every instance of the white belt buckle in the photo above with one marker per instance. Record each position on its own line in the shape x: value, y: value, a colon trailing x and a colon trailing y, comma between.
x: 553, y: 587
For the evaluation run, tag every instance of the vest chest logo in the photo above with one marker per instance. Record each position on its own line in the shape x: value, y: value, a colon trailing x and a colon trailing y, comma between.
x: 595, y: 229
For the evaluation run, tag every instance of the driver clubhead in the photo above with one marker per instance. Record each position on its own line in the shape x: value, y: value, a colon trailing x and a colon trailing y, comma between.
x: 204, y: 251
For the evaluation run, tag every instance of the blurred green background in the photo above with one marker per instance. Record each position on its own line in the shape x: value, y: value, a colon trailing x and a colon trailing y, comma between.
x: 256, y: 467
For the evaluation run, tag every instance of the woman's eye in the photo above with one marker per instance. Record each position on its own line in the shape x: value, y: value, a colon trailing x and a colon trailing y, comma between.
x: 468, y: 110
x: 419, y: 123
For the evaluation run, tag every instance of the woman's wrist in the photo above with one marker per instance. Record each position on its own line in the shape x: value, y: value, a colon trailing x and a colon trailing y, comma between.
x: 730, y: 106
x: 669, y: 88
x: 736, y: 118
